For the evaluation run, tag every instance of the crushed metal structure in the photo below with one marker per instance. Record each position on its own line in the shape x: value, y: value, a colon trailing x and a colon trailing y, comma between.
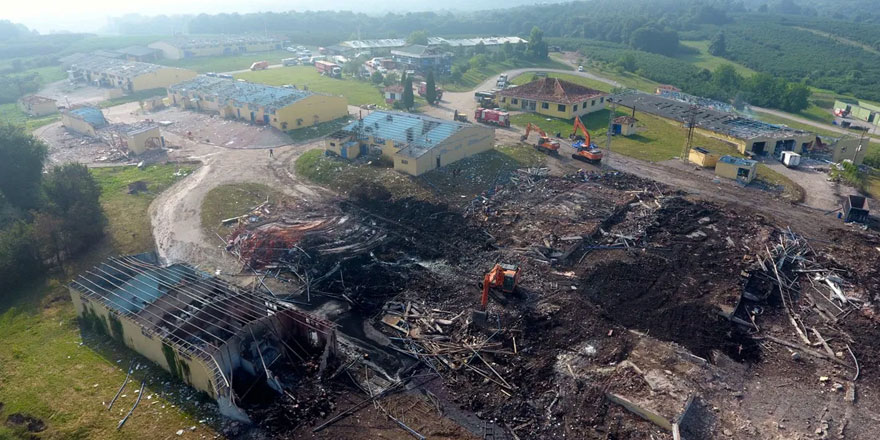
x: 218, y: 339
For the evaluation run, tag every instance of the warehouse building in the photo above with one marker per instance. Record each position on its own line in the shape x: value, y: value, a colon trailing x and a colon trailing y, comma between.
x: 282, y: 108
x: 135, y: 138
x: 190, y: 46
x: 37, y: 106
x: 391, y: 43
x: 199, y: 328
x: 415, y: 143
x: 423, y: 59
x: 127, y: 76
x: 84, y: 120
x: 736, y: 168
x: 553, y: 97
x: 750, y: 136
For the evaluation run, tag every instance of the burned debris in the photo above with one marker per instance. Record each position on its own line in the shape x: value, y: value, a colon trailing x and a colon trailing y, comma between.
x: 632, y: 309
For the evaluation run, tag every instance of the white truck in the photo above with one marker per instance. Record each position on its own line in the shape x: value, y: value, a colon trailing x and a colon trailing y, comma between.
x: 790, y: 159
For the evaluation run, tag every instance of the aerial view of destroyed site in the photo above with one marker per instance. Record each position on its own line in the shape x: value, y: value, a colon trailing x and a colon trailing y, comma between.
x: 519, y: 220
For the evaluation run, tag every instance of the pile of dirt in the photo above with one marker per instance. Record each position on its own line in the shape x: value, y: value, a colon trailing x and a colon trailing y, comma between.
x: 31, y: 423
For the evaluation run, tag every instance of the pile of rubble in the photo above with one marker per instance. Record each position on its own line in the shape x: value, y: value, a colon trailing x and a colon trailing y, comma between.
x: 631, y: 295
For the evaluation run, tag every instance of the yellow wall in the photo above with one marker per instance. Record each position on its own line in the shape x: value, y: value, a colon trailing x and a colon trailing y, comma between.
x: 161, y: 78
x: 311, y: 110
x: 850, y: 148
x: 137, y: 143
x: 147, y: 344
x: 303, y: 113
x: 352, y: 150
x: 41, y: 108
x: 552, y: 110
x: 77, y: 125
x: 724, y: 169
x: 703, y: 160
x: 467, y: 142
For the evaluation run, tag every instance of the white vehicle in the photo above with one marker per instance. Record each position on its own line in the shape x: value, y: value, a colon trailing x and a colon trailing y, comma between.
x: 289, y: 62
x: 290, y: 49
x: 503, y: 76
x: 580, y: 68
x: 376, y: 62
x: 382, y: 70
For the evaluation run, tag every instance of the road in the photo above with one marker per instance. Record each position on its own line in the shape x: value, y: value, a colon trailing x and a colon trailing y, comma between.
x: 828, y: 127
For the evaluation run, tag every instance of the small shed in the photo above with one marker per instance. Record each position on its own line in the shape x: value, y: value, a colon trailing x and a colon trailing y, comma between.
x: 624, y: 125
x: 393, y: 93
x: 855, y: 209
x: 703, y: 157
x: 736, y: 168
x: 345, y: 145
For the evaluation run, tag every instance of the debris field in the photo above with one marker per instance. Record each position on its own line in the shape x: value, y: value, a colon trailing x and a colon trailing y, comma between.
x: 640, y: 312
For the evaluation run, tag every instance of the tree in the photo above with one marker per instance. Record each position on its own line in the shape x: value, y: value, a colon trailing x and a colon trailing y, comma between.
x: 418, y: 37
x: 507, y: 49
x: 72, y: 194
x: 537, y: 47
x: 430, y: 89
x: 628, y: 62
x: 456, y: 73
x: 480, y: 48
x: 797, y: 97
x: 391, y: 78
x: 376, y: 78
x: 478, y: 61
x: 19, y: 259
x: 653, y: 39
x: 21, y: 167
x: 718, y: 46
x: 408, y: 98
x: 726, y: 78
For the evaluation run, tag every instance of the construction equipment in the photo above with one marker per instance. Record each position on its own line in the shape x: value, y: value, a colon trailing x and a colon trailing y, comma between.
x: 503, y: 277
x: 459, y: 117
x: 545, y: 144
x: 585, y: 149
x: 260, y: 65
x: 492, y: 117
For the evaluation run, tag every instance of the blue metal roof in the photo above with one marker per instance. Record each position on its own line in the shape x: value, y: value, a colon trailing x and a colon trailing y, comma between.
x: 92, y: 115
x: 241, y: 92
x: 738, y: 161
x: 420, y: 133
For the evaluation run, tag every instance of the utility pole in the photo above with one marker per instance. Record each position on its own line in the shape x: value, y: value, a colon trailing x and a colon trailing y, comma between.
x: 691, y: 124
x: 611, y: 112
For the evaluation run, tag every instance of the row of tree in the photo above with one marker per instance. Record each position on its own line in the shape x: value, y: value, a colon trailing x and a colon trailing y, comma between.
x: 45, y: 218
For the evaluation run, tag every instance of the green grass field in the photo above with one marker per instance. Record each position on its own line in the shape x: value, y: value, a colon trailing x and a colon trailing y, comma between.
x: 473, y: 77
x: 227, y: 63
x: 54, y: 373
x: 357, y: 92
x: 705, y: 60
x: 657, y: 140
x: 586, y: 82
x: 11, y: 114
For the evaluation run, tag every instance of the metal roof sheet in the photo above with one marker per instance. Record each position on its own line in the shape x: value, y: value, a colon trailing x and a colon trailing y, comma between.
x: 419, y: 132
x: 242, y: 92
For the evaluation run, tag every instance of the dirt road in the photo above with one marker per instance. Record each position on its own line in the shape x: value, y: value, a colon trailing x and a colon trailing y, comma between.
x: 176, y: 213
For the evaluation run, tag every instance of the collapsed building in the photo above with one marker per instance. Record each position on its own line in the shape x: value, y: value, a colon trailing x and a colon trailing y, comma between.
x: 216, y: 338
x: 123, y: 138
x: 750, y: 136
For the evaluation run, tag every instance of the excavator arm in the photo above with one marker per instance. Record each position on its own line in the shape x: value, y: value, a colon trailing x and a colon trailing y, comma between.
x: 580, y: 125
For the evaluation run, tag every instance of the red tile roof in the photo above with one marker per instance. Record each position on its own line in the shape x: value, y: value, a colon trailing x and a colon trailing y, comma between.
x: 625, y: 119
x: 553, y: 90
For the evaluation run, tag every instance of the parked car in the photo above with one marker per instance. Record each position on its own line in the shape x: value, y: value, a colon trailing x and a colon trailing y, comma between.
x: 289, y: 62
x: 211, y: 74
x: 580, y: 68
x: 224, y: 75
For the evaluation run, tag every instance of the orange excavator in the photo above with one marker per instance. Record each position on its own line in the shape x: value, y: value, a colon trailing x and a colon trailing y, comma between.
x: 545, y: 144
x: 585, y: 149
x: 504, y: 277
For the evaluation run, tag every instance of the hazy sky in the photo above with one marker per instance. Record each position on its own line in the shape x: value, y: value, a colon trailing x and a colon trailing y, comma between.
x: 90, y: 15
